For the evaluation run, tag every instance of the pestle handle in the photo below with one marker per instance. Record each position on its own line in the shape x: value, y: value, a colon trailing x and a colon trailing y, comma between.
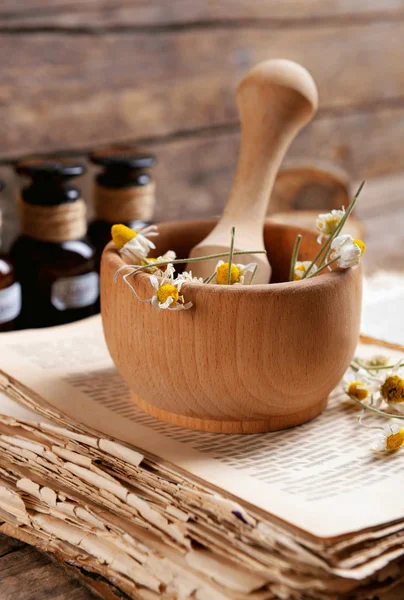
x: 275, y: 100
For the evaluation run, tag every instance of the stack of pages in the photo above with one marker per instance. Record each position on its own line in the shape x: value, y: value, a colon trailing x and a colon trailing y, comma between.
x: 149, y: 510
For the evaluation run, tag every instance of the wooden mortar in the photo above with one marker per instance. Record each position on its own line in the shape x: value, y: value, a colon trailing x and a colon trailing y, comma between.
x: 243, y: 359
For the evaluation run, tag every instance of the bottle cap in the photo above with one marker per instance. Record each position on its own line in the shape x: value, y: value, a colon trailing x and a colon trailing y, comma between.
x: 62, y: 168
x: 49, y: 177
x: 123, y: 156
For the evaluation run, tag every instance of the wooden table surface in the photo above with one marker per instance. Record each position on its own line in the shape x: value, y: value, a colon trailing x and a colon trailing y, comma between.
x: 26, y: 574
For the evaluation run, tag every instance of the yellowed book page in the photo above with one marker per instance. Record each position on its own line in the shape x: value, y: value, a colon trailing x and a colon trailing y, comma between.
x: 314, y: 477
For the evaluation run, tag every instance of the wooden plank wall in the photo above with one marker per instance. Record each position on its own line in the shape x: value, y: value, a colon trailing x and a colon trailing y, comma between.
x: 79, y: 74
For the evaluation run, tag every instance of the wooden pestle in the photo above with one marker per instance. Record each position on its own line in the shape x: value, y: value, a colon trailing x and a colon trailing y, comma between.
x: 275, y: 100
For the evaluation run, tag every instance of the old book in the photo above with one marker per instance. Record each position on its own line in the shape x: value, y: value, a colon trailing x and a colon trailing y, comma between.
x: 160, y: 511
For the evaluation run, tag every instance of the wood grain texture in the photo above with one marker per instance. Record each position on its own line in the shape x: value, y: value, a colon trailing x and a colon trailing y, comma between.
x: 25, y: 574
x: 223, y: 363
x: 127, y: 13
x: 79, y: 91
x: 193, y: 174
x: 276, y: 99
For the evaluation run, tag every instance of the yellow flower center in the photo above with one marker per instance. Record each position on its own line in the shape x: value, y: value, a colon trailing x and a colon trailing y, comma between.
x: 299, y: 269
x: 393, y: 389
x: 330, y: 224
x: 361, y: 245
x: 166, y: 291
x: 152, y: 269
x: 358, y: 390
x: 121, y: 235
x: 327, y: 223
x: 223, y: 272
x: 395, y: 440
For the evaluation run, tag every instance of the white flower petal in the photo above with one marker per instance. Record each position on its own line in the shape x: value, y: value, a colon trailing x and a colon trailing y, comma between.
x: 154, y: 281
x: 349, y: 252
x: 154, y: 302
x: 396, y: 367
x: 379, y: 445
x: 167, y: 303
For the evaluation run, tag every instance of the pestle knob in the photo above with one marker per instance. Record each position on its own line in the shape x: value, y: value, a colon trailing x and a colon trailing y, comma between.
x: 275, y: 100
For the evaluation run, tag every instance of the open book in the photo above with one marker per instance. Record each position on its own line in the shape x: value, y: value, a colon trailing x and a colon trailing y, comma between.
x: 159, y: 511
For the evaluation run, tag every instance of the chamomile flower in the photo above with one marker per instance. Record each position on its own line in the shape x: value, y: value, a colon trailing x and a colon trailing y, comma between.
x: 302, y: 267
x: 159, y: 271
x: 360, y: 385
x: 135, y: 244
x: 389, y: 438
x: 327, y: 223
x: 377, y: 360
x: 392, y: 388
x: 348, y: 249
x: 167, y: 292
x: 239, y: 274
x: 187, y: 276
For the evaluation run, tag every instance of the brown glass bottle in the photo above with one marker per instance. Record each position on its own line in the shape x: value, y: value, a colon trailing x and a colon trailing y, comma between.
x: 10, y: 291
x: 54, y: 261
x: 123, y: 192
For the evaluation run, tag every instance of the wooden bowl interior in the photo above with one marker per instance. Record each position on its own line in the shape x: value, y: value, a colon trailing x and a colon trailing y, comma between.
x: 279, y: 240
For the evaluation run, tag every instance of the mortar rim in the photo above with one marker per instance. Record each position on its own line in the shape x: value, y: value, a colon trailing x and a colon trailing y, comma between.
x: 326, y: 279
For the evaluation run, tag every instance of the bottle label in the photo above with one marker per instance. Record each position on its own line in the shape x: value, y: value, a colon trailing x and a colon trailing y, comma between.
x: 10, y: 303
x: 75, y: 292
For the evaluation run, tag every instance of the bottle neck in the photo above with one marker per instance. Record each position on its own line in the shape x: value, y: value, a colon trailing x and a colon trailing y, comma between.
x: 122, y: 176
x: 124, y: 204
x: 48, y: 192
x: 53, y: 223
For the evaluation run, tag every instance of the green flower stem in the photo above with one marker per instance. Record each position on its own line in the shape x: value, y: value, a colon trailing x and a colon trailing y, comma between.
x: 180, y: 261
x: 294, y: 257
x: 360, y: 419
x: 233, y: 234
x: 323, y: 267
x: 382, y: 413
x: 326, y: 246
x: 209, y: 279
x: 132, y: 289
x: 253, y: 274
x: 376, y: 368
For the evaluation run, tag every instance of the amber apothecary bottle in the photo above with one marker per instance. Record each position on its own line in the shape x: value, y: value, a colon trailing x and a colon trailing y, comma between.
x: 123, y: 192
x: 54, y: 261
x: 10, y: 290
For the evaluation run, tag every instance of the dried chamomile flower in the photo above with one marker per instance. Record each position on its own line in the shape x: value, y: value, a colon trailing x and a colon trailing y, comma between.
x: 135, y: 244
x: 377, y: 360
x: 159, y: 271
x: 392, y: 388
x: 167, y: 292
x: 389, y: 438
x: 327, y: 223
x: 359, y: 384
x: 358, y: 389
x: 302, y: 267
x: 348, y: 250
x: 187, y: 276
x: 239, y: 274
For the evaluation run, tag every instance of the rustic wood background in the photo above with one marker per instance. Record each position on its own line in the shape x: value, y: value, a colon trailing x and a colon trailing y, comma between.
x: 79, y: 74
